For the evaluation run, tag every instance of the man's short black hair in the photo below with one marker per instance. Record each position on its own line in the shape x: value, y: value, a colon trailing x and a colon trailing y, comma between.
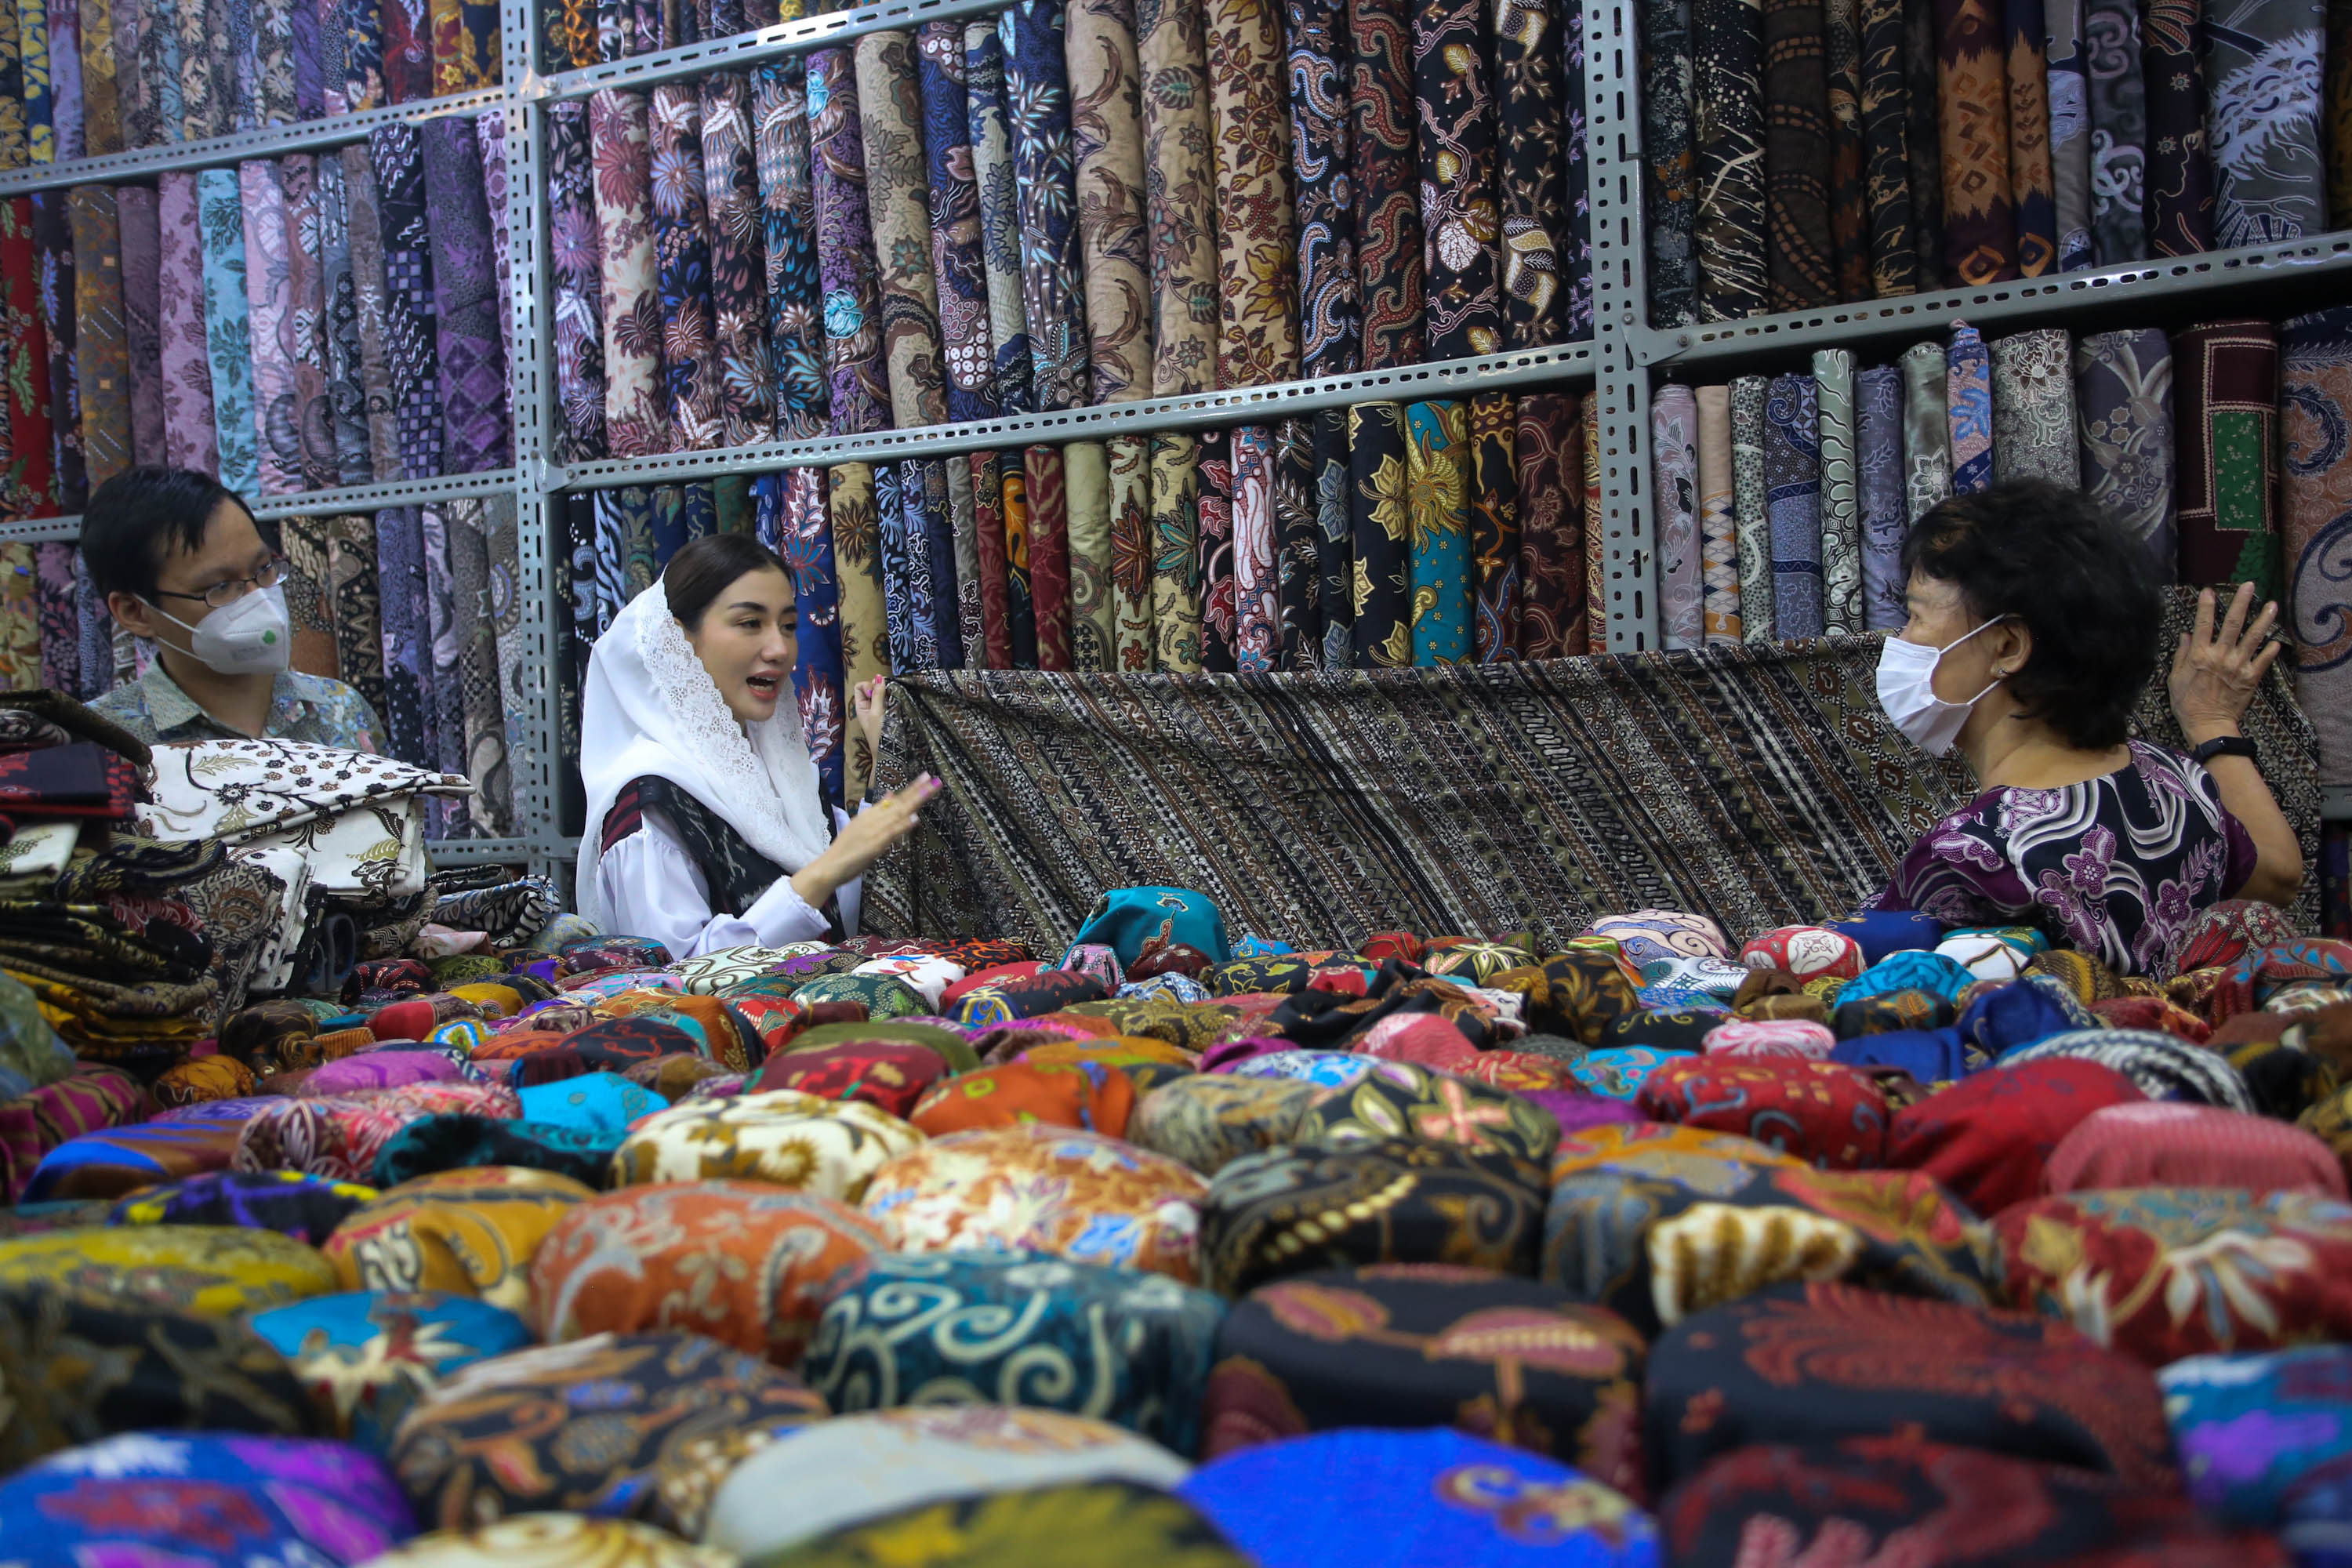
x: 139, y: 518
x: 2087, y: 589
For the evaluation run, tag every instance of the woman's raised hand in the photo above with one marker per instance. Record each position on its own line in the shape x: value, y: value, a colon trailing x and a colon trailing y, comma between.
x: 867, y: 837
x: 2217, y: 671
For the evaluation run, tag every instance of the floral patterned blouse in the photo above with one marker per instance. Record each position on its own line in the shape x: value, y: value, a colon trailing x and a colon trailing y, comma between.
x: 2117, y: 867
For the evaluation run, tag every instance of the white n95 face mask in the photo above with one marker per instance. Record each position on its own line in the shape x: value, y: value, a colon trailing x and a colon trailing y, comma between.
x: 252, y: 636
x: 1907, y: 689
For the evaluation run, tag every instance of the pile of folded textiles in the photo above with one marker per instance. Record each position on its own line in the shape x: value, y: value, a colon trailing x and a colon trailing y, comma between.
x: 1873, y: 1242
x: 145, y: 897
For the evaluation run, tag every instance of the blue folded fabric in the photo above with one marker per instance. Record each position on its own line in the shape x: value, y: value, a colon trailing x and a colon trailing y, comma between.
x: 1881, y: 933
x: 1931, y: 1056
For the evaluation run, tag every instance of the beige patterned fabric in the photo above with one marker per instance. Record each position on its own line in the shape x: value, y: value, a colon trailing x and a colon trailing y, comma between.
x: 1106, y: 127
x: 1180, y: 194
x: 1257, y: 227
x: 1085, y: 482
x: 897, y: 193
x: 790, y: 1139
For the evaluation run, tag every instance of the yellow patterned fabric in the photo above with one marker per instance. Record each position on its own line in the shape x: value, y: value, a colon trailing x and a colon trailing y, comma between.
x: 470, y: 1233
x: 206, y: 1268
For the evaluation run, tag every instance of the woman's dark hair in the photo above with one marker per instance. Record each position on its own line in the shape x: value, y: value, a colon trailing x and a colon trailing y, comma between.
x: 135, y: 520
x: 2053, y: 558
x: 702, y: 571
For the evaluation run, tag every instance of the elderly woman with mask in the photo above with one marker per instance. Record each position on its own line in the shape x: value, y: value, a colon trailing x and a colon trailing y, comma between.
x: 2032, y: 631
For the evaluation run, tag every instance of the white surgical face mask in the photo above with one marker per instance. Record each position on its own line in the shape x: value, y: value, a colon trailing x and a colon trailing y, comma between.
x: 252, y: 636
x: 1907, y: 689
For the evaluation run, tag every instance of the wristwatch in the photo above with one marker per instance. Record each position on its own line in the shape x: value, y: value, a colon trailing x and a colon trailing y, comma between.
x: 2227, y: 746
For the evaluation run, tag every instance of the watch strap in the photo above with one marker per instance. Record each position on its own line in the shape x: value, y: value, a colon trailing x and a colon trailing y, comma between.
x: 2227, y: 746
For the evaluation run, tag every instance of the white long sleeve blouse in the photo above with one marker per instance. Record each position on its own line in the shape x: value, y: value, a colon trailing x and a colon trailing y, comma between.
x: 651, y: 887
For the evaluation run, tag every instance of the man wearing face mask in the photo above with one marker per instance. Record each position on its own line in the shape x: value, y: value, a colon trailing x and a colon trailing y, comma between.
x: 2033, y: 630
x: 177, y: 559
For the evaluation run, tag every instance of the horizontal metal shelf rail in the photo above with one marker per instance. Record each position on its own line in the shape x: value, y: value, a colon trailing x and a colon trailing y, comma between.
x: 1512, y: 370
x: 268, y: 142
x: 2217, y: 276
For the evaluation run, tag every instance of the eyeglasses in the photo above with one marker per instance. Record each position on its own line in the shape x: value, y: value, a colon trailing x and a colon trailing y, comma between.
x: 230, y: 591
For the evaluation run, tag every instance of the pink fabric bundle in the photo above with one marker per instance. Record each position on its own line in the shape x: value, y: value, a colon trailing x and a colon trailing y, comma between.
x: 1770, y: 1037
x: 2164, y: 1143
x: 340, y: 1138
x: 1424, y: 1038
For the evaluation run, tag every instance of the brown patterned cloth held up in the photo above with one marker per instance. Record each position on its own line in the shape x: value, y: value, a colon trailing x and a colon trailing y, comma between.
x: 1758, y: 785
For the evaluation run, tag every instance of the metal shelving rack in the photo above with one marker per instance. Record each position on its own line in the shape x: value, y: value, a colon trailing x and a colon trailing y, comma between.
x: 1620, y: 362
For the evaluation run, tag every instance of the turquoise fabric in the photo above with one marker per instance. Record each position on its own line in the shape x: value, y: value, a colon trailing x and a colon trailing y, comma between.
x: 1438, y: 503
x: 228, y: 331
x: 370, y: 1355
x: 1913, y: 971
x: 592, y: 1102
x: 1124, y: 918
x: 1619, y: 1072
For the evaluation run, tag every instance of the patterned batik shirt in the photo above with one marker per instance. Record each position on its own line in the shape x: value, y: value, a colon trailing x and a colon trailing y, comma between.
x: 2117, y: 866
x: 301, y: 708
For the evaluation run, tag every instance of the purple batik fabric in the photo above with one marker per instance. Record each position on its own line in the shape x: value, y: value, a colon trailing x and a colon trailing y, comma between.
x: 347, y: 409
x: 363, y: 221
x: 188, y: 437
x: 490, y: 132
x: 682, y: 257
x: 739, y: 263
x: 400, y: 579
x: 97, y: 629
x: 60, y: 618
x: 845, y: 247
x: 471, y: 364
x: 958, y: 262
x: 65, y: 78
x: 142, y: 326
x: 577, y: 261
x: 414, y: 388
x: 267, y: 287
x: 443, y: 654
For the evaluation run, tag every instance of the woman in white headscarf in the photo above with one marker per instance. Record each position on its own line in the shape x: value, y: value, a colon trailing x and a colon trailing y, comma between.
x: 705, y: 826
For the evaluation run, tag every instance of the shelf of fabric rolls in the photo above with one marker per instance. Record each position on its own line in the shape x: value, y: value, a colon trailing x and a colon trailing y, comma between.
x: 312, y: 503
x: 267, y: 141
x: 1599, y: 369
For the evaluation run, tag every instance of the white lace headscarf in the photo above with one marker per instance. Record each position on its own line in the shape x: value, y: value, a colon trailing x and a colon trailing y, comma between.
x: 651, y: 709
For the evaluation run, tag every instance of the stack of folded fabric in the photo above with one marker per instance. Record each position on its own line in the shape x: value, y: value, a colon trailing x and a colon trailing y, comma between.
x: 343, y: 831
x: 1872, y: 1241
x: 128, y: 946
